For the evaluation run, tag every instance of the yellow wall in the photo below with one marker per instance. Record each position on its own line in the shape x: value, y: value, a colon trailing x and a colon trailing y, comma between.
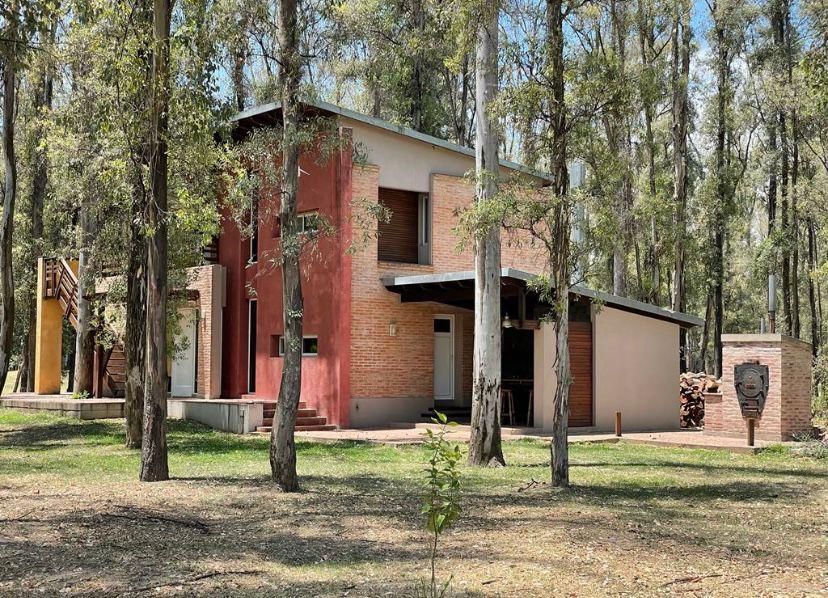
x: 48, y: 338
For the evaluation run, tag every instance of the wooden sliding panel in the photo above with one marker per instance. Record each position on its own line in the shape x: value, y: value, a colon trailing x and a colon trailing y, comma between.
x: 580, y: 360
x: 398, y: 237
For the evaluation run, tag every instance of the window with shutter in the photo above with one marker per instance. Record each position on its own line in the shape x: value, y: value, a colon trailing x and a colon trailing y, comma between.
x: 398, y: 238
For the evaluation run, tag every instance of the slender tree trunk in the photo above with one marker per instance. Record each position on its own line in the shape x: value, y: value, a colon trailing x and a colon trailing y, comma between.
x: 22, y: 378
x: 239, y: 56
x: 484, y: 443
x: 559, y: 250
x: 812, y: 291
x: 681, y: 37
x: 85, y: 339
x: 10, y: 194
x: 40, y: 182
x: 620, y: 146
x: 722, y: 183
x: 646, y: 38
x: 136, y: 318
x: 794, y: 234
x: 154, y: 465
x: 418, y: 70
x: 282, y: 444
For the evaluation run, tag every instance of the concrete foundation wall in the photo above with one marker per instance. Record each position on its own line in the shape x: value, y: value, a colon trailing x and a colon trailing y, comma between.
x: 238, y: 417
x: 376, y: 411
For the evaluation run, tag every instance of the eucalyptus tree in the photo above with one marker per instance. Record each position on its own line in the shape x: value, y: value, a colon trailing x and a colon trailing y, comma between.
x: 485, y: 442
x: 19, y: 21
x: 282, y: 443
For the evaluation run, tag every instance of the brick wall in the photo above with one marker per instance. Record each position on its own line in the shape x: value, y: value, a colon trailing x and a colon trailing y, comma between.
x: 208, y: 282
x: 402, y: 365
x: 788, y: 405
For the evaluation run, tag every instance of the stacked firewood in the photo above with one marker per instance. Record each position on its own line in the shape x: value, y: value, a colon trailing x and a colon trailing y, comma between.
x: 691, y: 395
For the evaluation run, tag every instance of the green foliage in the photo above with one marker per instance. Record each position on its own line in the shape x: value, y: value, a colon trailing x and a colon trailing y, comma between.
x: 441, y: 504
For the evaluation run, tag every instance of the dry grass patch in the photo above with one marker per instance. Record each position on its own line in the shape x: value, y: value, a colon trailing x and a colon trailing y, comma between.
x: 640, y: 520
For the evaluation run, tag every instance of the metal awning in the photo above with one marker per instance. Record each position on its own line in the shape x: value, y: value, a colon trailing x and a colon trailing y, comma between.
x: 457, y: 289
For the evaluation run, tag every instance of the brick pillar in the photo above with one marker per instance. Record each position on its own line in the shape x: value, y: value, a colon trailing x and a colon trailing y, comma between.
x: 788, y: 405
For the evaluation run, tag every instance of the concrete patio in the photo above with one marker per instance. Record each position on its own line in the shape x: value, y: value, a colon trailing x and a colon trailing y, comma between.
x: 416, y: 433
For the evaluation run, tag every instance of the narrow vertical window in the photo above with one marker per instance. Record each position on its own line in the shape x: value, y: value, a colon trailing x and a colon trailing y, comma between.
x: 423, y: 229
x: 254, y: 224
x: 251, y: 347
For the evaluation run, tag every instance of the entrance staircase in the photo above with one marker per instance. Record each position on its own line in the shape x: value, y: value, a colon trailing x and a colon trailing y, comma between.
x: 109, y: 364
x: 307, y: 419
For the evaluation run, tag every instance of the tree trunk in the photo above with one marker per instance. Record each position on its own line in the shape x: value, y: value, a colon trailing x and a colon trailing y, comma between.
x: 812, y: 292
x: 722, y: 184
x: 794, y: 177
x: 559, y: 251
x: 484, y: 443
x: 282, y: 444
x: 85, y: 339
x: 42, y: 101
x: 154, y: 465
x: 10, y: 194
x: 646, y: 38
x: 681, y: 37
x: 136, y: 318
x: 418, y: 69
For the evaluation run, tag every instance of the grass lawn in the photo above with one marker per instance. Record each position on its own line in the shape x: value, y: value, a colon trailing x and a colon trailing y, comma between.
x: 639, y: 520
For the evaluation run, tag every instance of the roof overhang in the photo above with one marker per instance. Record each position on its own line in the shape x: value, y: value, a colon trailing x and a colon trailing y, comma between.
x: 453, y: 288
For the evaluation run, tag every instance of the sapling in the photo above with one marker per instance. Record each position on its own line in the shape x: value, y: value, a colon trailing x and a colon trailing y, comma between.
x: 441, y: 505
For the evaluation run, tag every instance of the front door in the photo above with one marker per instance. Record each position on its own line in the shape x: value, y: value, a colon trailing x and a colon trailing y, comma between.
x: 444, y: 358
x: 184, y: 363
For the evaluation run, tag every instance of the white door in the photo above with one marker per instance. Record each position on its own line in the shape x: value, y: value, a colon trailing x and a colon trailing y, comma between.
x: 184, y: 363
x: 444, y: 357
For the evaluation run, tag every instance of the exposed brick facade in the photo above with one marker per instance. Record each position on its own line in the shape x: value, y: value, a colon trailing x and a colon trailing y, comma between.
x: 788, y: 405
x: 403, y: 365
x: 208, y: 282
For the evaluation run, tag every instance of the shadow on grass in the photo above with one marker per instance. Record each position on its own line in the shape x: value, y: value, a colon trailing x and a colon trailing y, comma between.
x: 49, y: 436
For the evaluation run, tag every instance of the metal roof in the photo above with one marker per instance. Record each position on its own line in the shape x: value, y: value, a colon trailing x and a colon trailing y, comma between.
x: 252, y: 113
x: 623, y: 303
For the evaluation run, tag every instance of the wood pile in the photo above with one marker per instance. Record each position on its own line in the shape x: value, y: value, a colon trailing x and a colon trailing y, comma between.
x: 691, y: 396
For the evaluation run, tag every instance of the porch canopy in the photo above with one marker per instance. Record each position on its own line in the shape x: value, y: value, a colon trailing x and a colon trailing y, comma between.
x: 519, y: 301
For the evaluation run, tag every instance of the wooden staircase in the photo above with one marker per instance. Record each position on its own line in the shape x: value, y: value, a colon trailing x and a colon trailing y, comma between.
x: 307, y: 419
x: 109, y: 364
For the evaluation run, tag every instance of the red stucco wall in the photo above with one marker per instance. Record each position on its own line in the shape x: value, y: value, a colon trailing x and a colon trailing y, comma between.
x: 324, y: 288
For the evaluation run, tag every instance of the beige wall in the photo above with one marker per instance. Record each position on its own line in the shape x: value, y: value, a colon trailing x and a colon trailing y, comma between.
x: 545, y: 378
x: 407, y: 163
x: 636, y: 370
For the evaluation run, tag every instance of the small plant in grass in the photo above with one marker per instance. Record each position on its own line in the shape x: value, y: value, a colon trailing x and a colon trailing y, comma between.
x: 441, y: 505
x: 812, y: 445
x: 80, y: 395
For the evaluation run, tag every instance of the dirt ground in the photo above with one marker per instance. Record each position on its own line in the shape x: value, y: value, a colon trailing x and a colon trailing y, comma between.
x: 638, y: 521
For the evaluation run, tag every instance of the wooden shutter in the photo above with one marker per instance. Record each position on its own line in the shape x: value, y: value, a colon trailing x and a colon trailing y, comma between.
x: 398, y: 237
x: 580, y: 362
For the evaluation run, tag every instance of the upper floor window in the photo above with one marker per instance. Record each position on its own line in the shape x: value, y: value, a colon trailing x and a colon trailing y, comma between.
x: 308, y: 223
x: 254, y: 224
x: 406, y: 237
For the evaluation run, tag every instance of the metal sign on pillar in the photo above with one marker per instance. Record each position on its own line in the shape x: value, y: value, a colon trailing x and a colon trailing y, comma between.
x: 752, y: 383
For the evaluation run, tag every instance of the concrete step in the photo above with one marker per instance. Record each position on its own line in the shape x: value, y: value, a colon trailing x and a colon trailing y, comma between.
x: 271, y: 412
x: 318, y: 428
x: 300, y: 421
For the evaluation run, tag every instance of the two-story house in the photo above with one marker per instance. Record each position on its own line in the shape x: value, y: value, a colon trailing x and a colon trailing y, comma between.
x: 388, y: 306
